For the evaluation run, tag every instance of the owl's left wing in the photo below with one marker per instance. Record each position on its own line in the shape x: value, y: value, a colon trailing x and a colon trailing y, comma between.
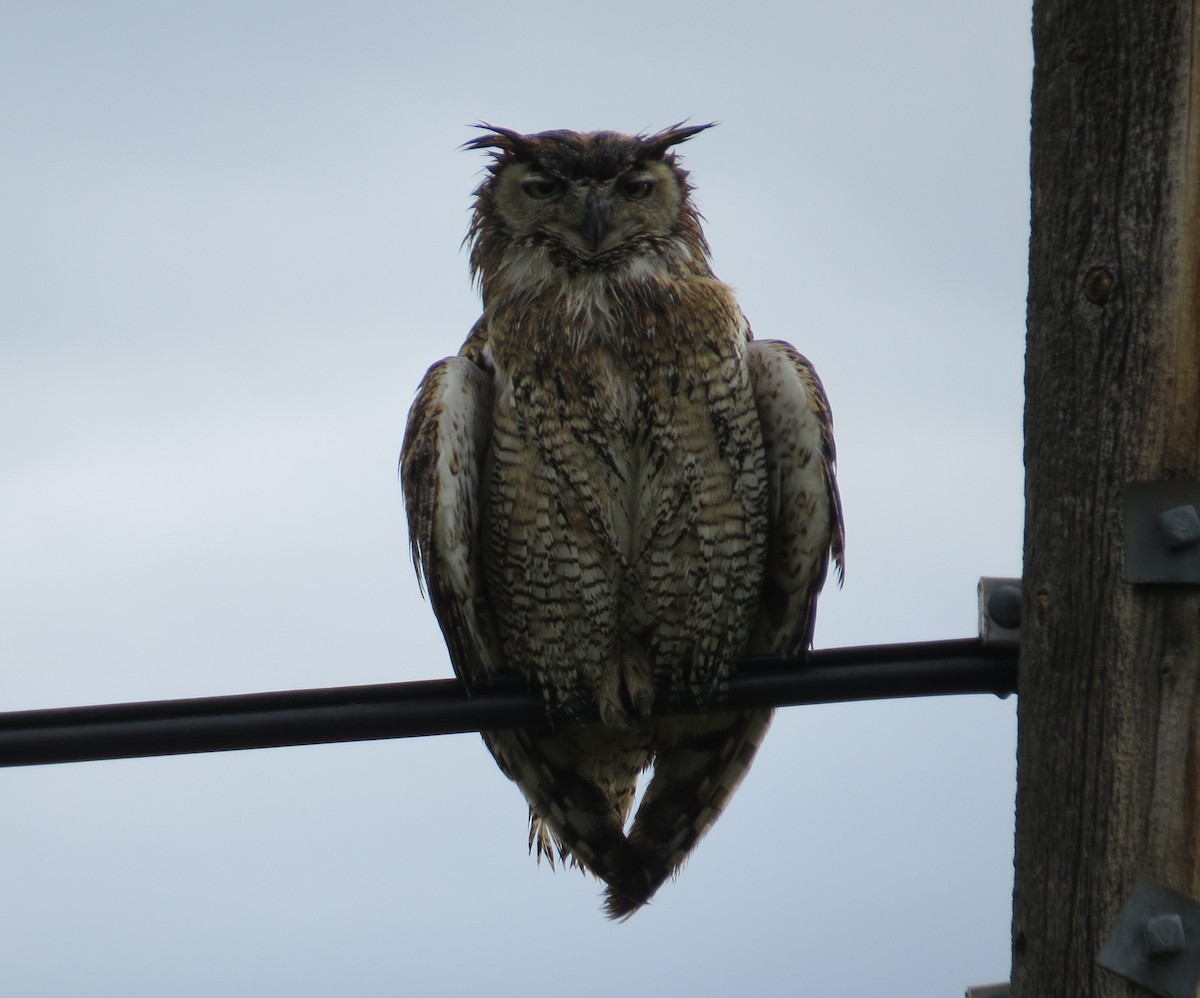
x: 442, y: 474
x: 700, y: 761
x: 805, y: 526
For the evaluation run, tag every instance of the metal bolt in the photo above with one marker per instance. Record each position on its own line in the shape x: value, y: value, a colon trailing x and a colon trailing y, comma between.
x: 1004, y: 606
x: 1180, y: 526
x: 1164, y: 935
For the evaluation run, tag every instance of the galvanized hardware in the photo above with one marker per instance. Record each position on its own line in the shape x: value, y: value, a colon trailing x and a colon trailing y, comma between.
x: 1180, y: 527
x: 1000, y: 611
x: 1162, y: 532
x: 989, y: 991
x: 1165, y: 935
x: 1153, y: 941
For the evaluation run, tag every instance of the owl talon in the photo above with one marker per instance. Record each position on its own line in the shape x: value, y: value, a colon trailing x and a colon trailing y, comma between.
x: 626, y: 690
x: 612, y: 713
x: 640, y: 692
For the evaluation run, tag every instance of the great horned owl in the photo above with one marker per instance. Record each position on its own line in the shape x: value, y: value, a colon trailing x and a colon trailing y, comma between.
x: 614, y: 489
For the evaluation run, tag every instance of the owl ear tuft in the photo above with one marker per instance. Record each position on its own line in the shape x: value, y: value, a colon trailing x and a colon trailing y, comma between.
x: 503, y: 142
x: 656, y: 145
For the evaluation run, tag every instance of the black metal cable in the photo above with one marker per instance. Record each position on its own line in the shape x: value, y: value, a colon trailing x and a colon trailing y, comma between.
x: 437, y: 707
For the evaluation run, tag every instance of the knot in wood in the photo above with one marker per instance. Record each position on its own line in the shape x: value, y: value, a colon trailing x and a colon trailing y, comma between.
x: 1099, y: 286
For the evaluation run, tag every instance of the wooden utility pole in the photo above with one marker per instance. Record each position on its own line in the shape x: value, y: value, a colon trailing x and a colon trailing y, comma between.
x: 1109, y: 742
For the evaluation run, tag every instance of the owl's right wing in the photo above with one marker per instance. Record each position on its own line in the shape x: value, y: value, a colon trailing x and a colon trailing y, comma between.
x: 442, y: 475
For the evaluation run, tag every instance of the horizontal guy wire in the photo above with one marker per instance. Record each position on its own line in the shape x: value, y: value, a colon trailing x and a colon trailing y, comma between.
x: 444, y: 706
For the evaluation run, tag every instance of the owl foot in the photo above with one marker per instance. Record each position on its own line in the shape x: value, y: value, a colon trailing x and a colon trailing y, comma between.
x: 626, y: 690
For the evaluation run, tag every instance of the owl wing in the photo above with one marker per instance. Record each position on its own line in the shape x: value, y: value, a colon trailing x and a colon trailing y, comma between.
x: 805, y: 517
x: 442, y: 470
x: 700, y: 761
x: 442, y: 475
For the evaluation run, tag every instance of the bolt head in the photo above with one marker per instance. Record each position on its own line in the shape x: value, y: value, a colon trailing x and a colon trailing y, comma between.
x: 1004, y: 606
x: 1164, y: 935
x: 1180, y: 526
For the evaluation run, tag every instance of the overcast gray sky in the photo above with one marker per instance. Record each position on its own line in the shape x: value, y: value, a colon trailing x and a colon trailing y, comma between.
x: 229, y: 248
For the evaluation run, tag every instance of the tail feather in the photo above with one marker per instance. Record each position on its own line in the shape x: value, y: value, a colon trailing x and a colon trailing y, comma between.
x: 699, y: 763
x: 577, y: 806
x: 579, y: 784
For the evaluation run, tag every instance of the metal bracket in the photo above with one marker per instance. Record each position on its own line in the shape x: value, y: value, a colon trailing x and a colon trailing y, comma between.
x: 1000, y: 611
x: 1155, y: 941
x: 1162, y: 532
x: 990, y: 990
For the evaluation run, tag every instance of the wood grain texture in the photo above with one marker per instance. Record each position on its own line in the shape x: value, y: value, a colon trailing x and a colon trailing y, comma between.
x: 1110, y: 673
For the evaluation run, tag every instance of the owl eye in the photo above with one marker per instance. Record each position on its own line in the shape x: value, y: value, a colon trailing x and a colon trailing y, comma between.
x: 635, y: 188
x: 542, y: 188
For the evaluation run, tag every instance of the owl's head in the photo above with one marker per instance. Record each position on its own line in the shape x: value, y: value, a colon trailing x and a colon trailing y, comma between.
x: 561, y: 204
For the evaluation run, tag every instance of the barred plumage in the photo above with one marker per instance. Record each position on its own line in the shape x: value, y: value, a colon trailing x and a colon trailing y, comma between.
x: 613, y: 488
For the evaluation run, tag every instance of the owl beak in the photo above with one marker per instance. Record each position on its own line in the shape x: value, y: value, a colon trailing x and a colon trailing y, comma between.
x: 593, y: 229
